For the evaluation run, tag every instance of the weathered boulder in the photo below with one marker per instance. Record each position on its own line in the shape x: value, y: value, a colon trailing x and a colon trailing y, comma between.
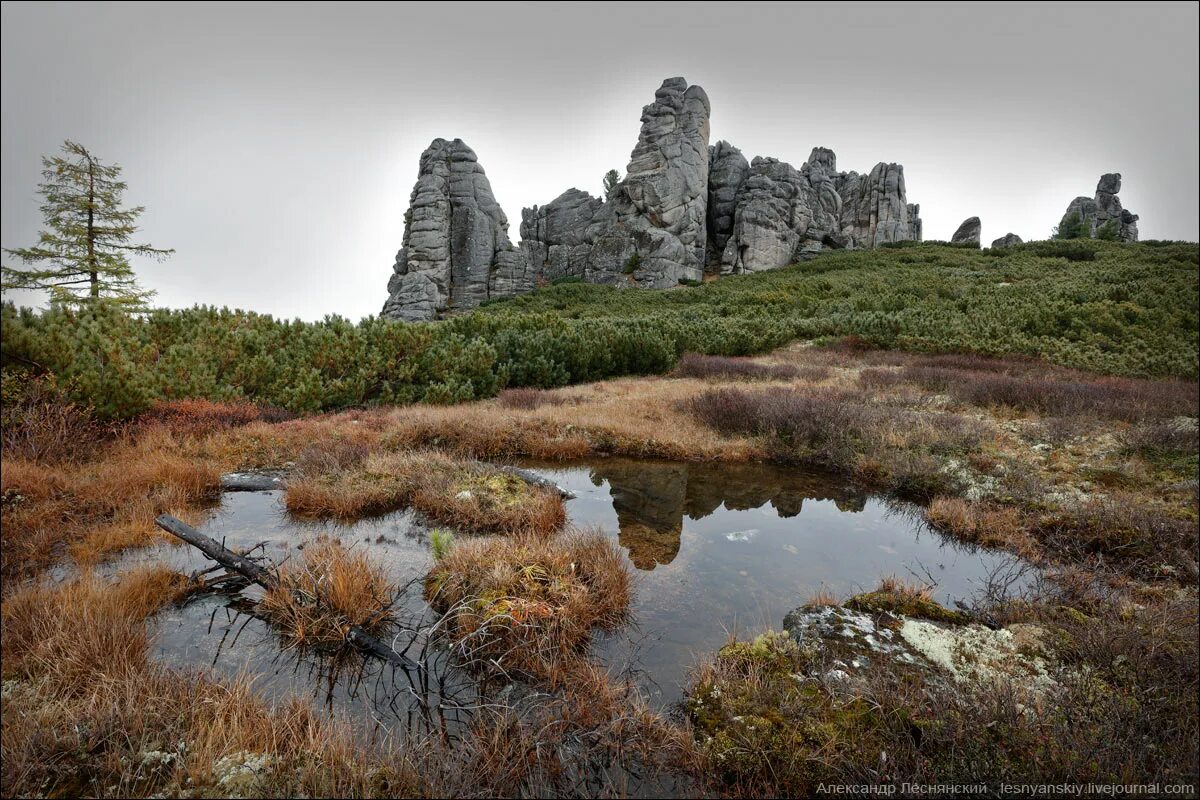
x: 1102, y: 216
x: 1007, y: 240
x: 727, y: 171
x: 454, y: 235
x: 968, y: 232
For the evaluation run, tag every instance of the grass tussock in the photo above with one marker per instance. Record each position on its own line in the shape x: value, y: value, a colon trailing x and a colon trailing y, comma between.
x: 332, y: 589
x: 982, y: 523
x: 904, y: 598
x: 453, y: 492
x: 530, y: 604
x: 529, y: 399
x: 90, y: 510
x: 196, y: 416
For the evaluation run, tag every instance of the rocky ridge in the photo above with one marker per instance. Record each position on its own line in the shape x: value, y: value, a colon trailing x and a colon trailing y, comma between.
x: 683, y: 209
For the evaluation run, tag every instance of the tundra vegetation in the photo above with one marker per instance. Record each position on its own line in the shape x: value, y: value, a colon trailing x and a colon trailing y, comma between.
x: 1039, y: 399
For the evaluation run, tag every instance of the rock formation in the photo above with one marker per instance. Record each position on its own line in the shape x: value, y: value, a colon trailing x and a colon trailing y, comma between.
x: 658, y: 230
x: 1007, y: 240
x: 682, y: 206
x: 968, y: 232
x: 557, y: 237
x: 783, y: 214
x: 455, y: 249
x: 1102, y: 216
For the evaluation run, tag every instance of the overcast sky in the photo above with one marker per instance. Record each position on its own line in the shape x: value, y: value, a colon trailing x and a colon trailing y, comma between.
x: 274, y: 146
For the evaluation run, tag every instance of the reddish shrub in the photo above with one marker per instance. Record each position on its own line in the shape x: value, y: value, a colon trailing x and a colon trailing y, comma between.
x: 694, y: 365
x: 39, y: 423
x: 198, y: 416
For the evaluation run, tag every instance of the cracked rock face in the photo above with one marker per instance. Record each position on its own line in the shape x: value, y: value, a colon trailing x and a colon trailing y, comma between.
x: 1007, y: 240
x: 875, y: 209
x: 727, y: 171
x: 455, y: 248
x: 557, y: 237
x: 968, y: 232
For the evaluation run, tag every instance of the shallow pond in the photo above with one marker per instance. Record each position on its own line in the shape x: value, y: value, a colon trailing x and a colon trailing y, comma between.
x: 725, y: 548
x: 717, y: 549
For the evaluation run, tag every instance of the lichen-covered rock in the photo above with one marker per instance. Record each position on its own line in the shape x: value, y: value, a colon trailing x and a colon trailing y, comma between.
x: 1103, y: 215
x: 1007, y: 240
x: 454, y: 235
x: 968, y: 232
x: 727, y: 171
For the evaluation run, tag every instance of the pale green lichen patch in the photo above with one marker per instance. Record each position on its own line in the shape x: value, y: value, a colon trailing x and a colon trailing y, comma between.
x: 979, y: 654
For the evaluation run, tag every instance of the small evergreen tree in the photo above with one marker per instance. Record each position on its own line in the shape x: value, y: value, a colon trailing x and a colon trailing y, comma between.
x: 1108, y: 232
x: 83, y: 254
x: 611, y: 179
x: 1073, y: 227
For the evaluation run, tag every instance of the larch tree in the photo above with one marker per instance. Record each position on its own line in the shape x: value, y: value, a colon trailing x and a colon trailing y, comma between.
x: 83, y: 255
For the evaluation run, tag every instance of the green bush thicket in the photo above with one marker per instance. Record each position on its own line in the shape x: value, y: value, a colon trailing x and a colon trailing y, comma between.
x: 1105, y: 307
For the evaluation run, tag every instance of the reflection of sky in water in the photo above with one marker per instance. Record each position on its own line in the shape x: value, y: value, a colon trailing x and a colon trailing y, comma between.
x: 718, y: 549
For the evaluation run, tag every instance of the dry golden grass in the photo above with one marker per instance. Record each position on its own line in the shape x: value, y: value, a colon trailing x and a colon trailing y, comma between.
x: 332, y: 589
x: 530, y: 604
x: 446, y: 489
x: 986, y: 524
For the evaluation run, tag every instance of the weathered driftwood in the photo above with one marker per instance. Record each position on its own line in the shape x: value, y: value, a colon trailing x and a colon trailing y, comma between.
x: 255, y: 573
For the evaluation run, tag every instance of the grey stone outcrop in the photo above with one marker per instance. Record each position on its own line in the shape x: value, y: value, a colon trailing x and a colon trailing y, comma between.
x: 1007, y: 240
x: 455, y: 246
x: 1104, y: 209
x: 968, y: 232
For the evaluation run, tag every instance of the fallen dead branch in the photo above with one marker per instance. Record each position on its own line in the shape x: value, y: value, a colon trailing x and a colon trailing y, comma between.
x: 256, y: 573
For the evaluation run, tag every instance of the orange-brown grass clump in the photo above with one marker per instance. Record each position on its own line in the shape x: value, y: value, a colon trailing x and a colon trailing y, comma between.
x: 465, y: 495
x: 333, y: 589
x: 528, y: 398
x: 985, y: 524
x: 530, y: 604
x: 94, y: 508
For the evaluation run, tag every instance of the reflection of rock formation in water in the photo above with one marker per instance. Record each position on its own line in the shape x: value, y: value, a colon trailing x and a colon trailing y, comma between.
x: 648, y: 499
x: 651, y: 499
